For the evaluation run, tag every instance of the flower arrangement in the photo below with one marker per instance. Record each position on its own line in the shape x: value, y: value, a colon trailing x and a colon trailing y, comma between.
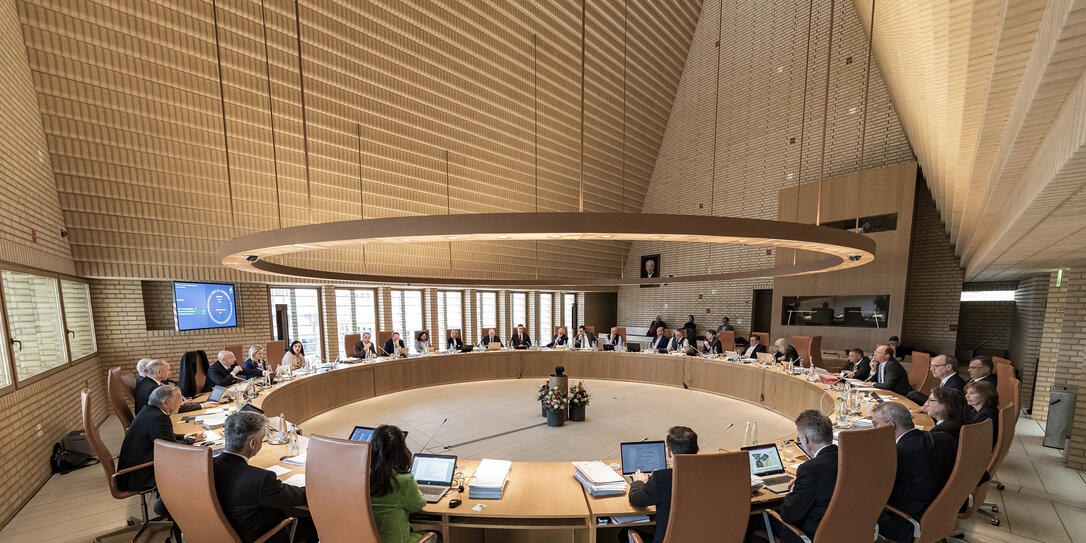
x: 542, y: 391
x: 554, y: 400
x: 578, y: 395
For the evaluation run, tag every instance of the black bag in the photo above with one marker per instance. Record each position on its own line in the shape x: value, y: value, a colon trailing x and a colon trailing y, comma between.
x: 65, y: 461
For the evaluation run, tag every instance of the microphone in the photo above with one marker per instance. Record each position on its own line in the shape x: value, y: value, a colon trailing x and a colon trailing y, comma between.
x: 726, y: 428
x: 619, y: 449
x: 423, y: 449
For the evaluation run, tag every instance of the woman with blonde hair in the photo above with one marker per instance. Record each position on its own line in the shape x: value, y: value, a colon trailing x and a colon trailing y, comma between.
x: 785, y: 352
x: 257, y: 362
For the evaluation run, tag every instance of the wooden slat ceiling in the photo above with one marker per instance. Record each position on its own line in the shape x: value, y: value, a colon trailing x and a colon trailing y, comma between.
x: 175, y: 125
x: 992, y: 94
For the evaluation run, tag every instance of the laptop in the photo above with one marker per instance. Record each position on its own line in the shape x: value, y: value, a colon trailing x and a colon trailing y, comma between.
x: 364, y: 433
x: 216, y: 394
x: 766, y: 358
x: 643, y: 456
x: 402, y: 352
x: 765, y: 462
x: 608, y: 347
x: 434, y: 474
x: 634, y: 347
x: 252, y: 408
x: 467, y: 348
x: 493, y: 346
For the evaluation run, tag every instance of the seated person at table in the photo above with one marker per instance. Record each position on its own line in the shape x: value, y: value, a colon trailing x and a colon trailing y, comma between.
x: 560, y: 339
x: 944, y: 368
x: 896, y: 351
x: 785, y: 352
x: 224, y: 372
x: 655, y: 488
x: 393, y: 345
x: 947, y: 406
x: 520, y: 339
x: 678, y: 342
x: 254, y: 366
x: 365, y: 347
x: 157, y: 371
x: 422, y: 342
x: 659, y: 341
x: 454, y: 342
x: 614, y: 338
x: 887, y: 373
x: 138, y: 447
x: 857, y: 366
x: 253, y: 499
x: 981, y: 368
x: 394, y: 493
x: 984, y: 400
x: 754, y: 348
x: 657, y: 323
x: 294, y: 358
x: 924, y: 463
x: 725, y: 325
x: 815, y: 481
x: 489, y: 338
x: 584, y: 340
x: 712, y: 344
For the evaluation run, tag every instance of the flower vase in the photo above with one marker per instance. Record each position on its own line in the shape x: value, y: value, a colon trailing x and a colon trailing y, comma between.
x: 576, y: 411
x: 556, y: 417
x: 543, y: 408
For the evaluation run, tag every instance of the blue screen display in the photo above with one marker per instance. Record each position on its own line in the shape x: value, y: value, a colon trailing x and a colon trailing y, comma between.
x: 197, y: 306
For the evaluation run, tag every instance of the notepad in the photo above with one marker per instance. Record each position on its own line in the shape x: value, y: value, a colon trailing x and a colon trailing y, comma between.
x: 298, y: 480
x: 296, y: 460
x: 279, y: 471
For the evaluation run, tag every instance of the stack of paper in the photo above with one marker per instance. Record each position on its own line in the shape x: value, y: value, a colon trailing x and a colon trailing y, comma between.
x: 489, y: 479
x: 296, y: 460
x: 212, y: 421
x: 598, y: 479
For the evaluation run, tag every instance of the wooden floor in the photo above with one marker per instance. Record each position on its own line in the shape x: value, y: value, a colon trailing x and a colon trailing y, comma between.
x: 1043, y: 502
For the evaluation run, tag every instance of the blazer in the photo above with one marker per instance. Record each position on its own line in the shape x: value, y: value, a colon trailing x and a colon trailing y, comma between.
x: 949, y: 427
x: 520, y: 341
x: 759, y: 348
x: 990, y: 379
x: 558, y: 341
x: 454, y: 343
x: 589, y: 338
x: 924, y: 462
x: 218, y: 375
x: 806, y: 504
x: 955, y: 381
x: 187, y: 374
x: 656, y: 491
x: 861, y: 370
x: 713, y: 347
x: 691, y: 331
x: 725, y: 328
x: 253, y: 370
x: 660, y: 343
x: 390, y: 348
x: 145, y: 386
x: 894, y: 378
x: 138, y: 447
x: 790, y: 354
x: 360, y: 349
x: 989, y: 413
x: 253, y: 500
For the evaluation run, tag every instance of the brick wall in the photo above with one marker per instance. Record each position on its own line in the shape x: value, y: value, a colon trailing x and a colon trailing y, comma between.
x: 1048, y: 363
x: 1029, y: 315
x: 985, y: 327
x: 933, y: 289
x: 1070, y: 368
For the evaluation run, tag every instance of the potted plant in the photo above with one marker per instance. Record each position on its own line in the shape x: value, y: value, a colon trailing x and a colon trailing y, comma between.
x: 540, y: 396
x: 578, y: 400
x: 555, y: 404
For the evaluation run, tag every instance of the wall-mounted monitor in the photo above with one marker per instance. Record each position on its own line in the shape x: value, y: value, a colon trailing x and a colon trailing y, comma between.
x: 199, y: 306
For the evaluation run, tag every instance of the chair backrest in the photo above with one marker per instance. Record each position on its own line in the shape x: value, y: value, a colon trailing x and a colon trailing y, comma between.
x: 383, y: 336
x: 590, y: 329
x: 201, y: 372
x: 621, y: 331
x: 802, y: 344
x: 348, y: 343
x: 1002, y: 361
x: 239, y: 354
x: 1007, y: 422
x: 710, y: 498
x: 186, y: 484
x: 860, y: 492
x: 727, y: 340
x: 763, y: 338
x: 275, y: 349
x: 974, y: 450
x: 1005, y: 383
x: 816, y: 352
x: 120, y: 393
x: 337, y: 490
x: 448, y: 333
x: 918, y: 370
x: 101, y: 452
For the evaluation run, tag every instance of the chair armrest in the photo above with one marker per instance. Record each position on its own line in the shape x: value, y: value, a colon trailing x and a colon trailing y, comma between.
x: 134, y: 468
x: 635, y: 537
x: 289, y: 521
x: 428, y: 538
x: 799, y: 533
x: 900, y: 513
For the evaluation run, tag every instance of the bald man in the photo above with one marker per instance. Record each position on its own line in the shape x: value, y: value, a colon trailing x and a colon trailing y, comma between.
x: 224, y: 372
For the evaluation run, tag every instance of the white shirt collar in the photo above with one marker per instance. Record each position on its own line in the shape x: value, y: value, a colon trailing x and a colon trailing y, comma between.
x: 898, y: 440
x: 945, y: 379
x: 981, y: 378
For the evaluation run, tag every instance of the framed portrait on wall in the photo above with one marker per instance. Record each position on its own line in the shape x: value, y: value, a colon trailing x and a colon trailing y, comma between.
x: 650, y: 268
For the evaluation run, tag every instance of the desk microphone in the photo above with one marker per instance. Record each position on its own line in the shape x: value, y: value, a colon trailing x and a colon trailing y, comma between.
x: 601, y: 459
x: 726, y: 428
x: 423, y: 449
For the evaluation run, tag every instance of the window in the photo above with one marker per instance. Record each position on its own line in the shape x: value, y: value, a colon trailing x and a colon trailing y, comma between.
x: 78, y: 317
x: 407, y: 315
x: 568, y: 300
x: 33, y: 310
x: 861, y: 311
x: 355, y: 314
x: 450, y: 316
x: 546, y: 316
x: 519, y: 303
x: 487, y: 313
x: 868, y: 225
x: 303, y: 317
x: 5, y: 373
x: 987, y: 296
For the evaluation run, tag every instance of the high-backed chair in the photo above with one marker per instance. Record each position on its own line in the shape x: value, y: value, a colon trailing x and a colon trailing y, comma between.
x: 918, y: 370
x: 239, y: 355
x: 1005, y: 383
x: 105, y: 458
x: 1000, y: 360
x: 337, y: 491
x: 809, y: 348
x: 860, y: 493
x: 710, y: 498
x: 348, y: 343
x: 937, y: 523
x: 192, y: 375
x: 727, y: 340
x: 275, y: 349
x: 186, y: 483
x: 1004, y: 439
x: 383, y: 336
x: 621, y: 331
x: 763, y: 338
x: 120, y: 394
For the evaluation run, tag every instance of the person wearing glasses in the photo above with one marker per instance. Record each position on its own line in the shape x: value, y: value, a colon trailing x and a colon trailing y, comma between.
x: 945, y: 368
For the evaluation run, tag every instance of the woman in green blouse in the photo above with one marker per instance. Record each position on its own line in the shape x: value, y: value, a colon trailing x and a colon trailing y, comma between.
x: 393, y: 491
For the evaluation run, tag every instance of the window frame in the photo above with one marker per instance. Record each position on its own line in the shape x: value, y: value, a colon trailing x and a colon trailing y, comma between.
x: 441, y: 319
x: 352, y: 290
x: 481, y: 328
x: 513, y: 321
x: 543, y: 334
x: 320, y: 315
x: 408, y: 339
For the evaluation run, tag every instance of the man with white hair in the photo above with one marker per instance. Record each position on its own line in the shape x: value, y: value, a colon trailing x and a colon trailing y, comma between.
x: 150, y: 424
x: 141, y: 367
x: 156, y: 372
x: 224, y: 372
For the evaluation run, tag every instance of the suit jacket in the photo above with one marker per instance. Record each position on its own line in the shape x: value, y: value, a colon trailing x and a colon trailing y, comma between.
x: 806, y: 504
x: 924, y: 462
x: 187, y: 374
x: 253, y: 499
x: 949, y: 427
x: 145, y: 386
x: 558, y: 340
x: 360, y: 349
x: 759, y: 348
x: 656, y: 491
x: 989, y: 413
x: 138, y: 447
x: 894, y: 378
x: 660, y: 343
x: 589, y: 339
x: 485, y: 342
x: 252, y: 370
x: 790, y: 354
x: 520, y: 341
x: 725, y: 328
x: 955, y: 381
x: 861, y: 370
x: 219, y: 375
x: 713, y: 347
x: 390, y: 348
x: 454, y: 343
x: 991, y: 379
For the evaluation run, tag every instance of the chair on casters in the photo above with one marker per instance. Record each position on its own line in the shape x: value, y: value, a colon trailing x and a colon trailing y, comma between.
x: 120, y: 394
x: 710, y: 498
x: 859, y: 494
x: 186, y: 482
x: 1007, y: 420
x: 337, y: 491
x: 105, y: 458
x: 937, y: 523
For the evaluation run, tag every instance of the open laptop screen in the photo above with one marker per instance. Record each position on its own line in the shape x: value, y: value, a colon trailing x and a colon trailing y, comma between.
x: 365, y: 433
x: 764, y: 460
x: 216, y: 394
x: 646, y: 456
x: 433, y: 469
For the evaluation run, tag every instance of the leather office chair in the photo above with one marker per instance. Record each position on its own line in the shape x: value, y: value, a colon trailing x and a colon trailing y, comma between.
x: 1005, y: 383
x: 588, y: 328
x: 276, y: 350
x: 1004, y: 439
x: 860, y: 493
x: 710, y: 498
x: 348, y: 343
x: 337, y: 491
x: 383, y: 336
x: 809, y: 348
x: 239, y: 355
x: 999, y: 360
x: 763, y: 339
x: 105, y: 458
x: 918, y: 370
x: 727, y: 340
x: 186, y: 483
x: 937, y: 523
x: 120, y: 395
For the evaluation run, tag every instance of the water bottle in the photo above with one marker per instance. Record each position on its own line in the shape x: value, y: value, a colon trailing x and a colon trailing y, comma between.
x: 282, y: 427
x: 754, y: 433
x: 842, y: 412
x: 292, y: 436
x: 746, y: 435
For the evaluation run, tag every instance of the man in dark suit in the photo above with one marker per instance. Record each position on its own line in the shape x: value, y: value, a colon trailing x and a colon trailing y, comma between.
x: 560, y: 339
x: 224, y: 372
x: 660, y: 341
x: 754, y: 348
x: 253, y: 500
x: 655, y: 488
x: 520, y: 339
x: 393, y: 345
x: 489, y: 338
x: 944, y: 368
x: 924, y: 463
x: 584, y: 340
x: 156, y: 373
x: 981, y: 368
x: 858, y: 365
x: 887, y: 373
x: 725, y: 326
x: 712, y: 344
x: 152, y: 423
